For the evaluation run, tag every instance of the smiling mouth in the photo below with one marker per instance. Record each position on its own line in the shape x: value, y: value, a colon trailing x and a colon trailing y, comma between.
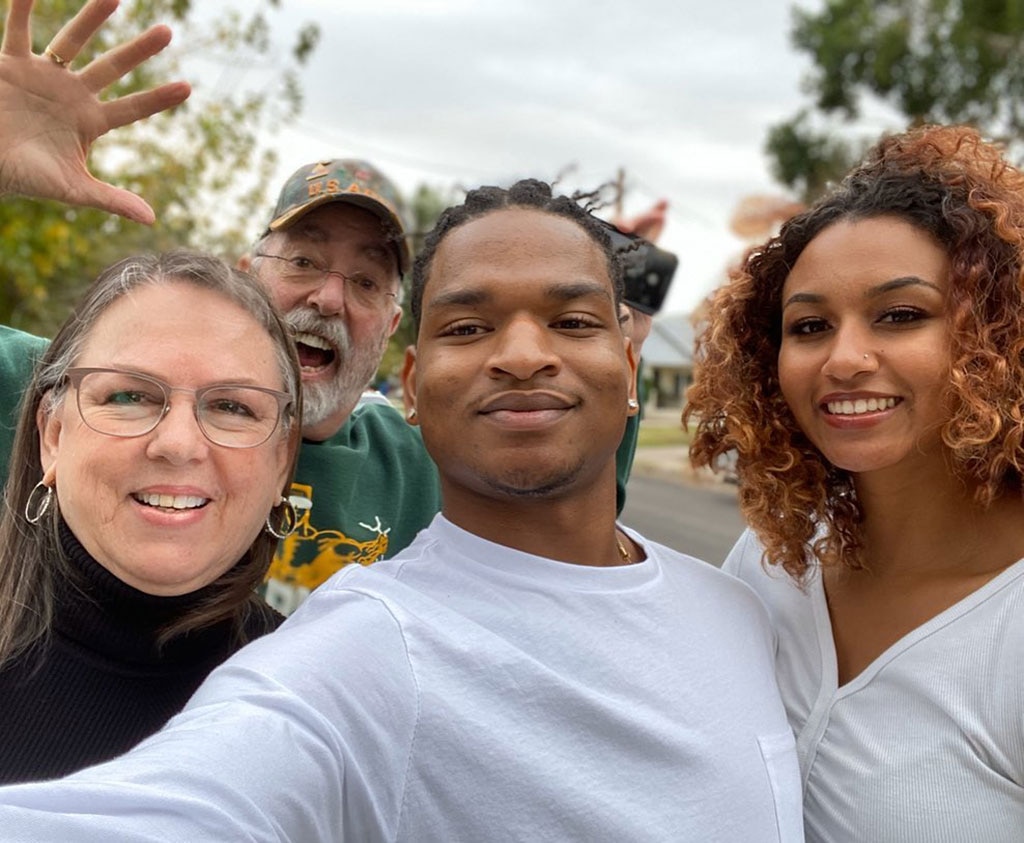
x: 175, y: 502
x: 509, y: 403
x: 315, y: 353
x: 526, y: 410
x: 860, y: 406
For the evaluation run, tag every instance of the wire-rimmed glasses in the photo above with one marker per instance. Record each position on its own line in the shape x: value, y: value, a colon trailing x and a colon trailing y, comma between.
x: 367, y: 290
x: 117, y: 402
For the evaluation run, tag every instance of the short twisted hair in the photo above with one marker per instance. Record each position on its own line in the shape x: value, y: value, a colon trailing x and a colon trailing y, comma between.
x: 527, y: 193
x: 946, y: 181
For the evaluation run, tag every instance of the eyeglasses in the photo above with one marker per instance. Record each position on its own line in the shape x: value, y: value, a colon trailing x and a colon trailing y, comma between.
x: 126, y: 404
x: 365, y: 289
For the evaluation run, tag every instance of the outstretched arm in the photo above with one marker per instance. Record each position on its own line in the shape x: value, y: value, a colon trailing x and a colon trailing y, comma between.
x: 50, y: 115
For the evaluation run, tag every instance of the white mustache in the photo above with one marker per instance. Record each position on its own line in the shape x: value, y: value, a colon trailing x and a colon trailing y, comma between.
x: 308, y: 320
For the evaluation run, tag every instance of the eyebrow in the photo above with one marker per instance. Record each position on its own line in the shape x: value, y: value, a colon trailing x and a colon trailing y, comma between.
x: 872, y: 292
x: 241, y: 380
x: 471, y: 297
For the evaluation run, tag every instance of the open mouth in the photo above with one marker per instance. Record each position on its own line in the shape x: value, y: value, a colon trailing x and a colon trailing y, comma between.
x: 315, y: 353
x: 175, y: 502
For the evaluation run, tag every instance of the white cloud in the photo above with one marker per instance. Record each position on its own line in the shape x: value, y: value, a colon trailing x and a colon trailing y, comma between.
x: 679, y: 93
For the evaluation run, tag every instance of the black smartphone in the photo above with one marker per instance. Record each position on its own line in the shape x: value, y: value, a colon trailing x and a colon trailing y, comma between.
x: 649, y: 270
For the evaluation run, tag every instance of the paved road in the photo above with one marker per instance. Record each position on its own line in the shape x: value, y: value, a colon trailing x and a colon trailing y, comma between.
x: 699, y: 520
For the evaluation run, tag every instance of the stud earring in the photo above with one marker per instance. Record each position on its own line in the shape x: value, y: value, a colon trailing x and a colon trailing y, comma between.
x: 633, y: 404
x: 411, y: 414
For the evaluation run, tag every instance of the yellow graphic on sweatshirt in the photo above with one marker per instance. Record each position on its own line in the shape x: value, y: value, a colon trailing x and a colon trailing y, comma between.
x: 309, y: 556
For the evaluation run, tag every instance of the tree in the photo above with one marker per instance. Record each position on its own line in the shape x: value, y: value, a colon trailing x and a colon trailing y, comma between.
x: 932, y: 61
x: 424, y: 209
x: 203, y: 167
x: 805, y: 160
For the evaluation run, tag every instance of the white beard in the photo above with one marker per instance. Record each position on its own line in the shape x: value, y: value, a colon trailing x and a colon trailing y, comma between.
x: 354, y: 367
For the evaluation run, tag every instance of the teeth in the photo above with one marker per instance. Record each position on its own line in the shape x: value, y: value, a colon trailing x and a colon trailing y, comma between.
x: 172, y: 501
x: 861, y: 405
x: 312, y: 340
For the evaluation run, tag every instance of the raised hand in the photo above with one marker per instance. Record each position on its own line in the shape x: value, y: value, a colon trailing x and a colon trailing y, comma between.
x: 50, y: 114
x: 648, y: 224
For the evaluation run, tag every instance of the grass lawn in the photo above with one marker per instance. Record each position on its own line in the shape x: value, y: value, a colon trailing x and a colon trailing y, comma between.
x: 658, y: 435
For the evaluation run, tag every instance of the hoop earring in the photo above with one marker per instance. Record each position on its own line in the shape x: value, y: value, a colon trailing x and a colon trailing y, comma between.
x: 287, y: 519
x: 35, y: 506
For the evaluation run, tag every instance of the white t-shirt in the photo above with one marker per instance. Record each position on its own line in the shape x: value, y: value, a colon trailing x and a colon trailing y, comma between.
x: 927, y: 743
x: 464, y: 691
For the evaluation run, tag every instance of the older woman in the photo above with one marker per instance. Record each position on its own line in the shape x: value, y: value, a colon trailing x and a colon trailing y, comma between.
x: 145, y: 501
x: 867, y: 365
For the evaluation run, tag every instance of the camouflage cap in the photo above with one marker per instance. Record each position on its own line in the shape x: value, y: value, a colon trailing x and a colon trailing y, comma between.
x: 342, y: 180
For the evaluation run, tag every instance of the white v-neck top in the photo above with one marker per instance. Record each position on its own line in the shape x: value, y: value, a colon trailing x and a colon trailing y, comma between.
x: 927, y: 743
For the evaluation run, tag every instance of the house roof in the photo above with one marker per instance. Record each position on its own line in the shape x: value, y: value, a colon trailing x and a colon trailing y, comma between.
x: 670, y: 344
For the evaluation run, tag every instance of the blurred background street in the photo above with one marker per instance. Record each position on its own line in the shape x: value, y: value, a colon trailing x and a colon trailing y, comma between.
x: 668, y: 503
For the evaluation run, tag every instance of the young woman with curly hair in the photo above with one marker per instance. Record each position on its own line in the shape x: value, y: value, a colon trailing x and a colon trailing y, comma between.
x: 867, y: 366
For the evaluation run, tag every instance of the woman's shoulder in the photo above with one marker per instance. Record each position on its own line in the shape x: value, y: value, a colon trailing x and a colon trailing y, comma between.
x: 780, y: 592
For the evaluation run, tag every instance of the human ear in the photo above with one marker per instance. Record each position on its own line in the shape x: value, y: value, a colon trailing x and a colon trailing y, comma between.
x: 49, y: 426
x: 396, y: 320
x: 633, y: 366
x: 409, y: 384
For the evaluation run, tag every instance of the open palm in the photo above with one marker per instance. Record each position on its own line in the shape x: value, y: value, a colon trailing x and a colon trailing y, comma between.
x: 50, y: 115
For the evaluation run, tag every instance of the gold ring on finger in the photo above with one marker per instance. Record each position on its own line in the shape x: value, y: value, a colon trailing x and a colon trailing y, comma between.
x: 56, y: 59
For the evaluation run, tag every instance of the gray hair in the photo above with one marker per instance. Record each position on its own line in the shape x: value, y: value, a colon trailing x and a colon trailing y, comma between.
x: 31, y: 559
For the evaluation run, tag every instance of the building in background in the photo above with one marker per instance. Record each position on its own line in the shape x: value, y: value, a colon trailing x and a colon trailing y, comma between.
x: 668, y: 360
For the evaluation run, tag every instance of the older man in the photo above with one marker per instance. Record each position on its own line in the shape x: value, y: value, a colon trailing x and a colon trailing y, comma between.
x: 333, y: 256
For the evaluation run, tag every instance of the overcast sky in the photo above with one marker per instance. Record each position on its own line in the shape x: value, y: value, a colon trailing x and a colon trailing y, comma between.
x: 465, y: 92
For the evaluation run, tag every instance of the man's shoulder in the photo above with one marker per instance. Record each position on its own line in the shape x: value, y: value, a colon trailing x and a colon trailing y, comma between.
x: 713, y: 584
x: 18, y: 350
x: 379, y: 412
x: 376, y: 432
x: 18, y: 355
x: 376, y: 418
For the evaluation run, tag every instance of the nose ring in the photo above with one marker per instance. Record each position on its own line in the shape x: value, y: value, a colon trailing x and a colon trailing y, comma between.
x: 865, y: 356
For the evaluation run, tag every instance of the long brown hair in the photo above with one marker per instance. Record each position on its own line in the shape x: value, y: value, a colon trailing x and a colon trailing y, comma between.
x: 31, y: 558
x: 958, y: 188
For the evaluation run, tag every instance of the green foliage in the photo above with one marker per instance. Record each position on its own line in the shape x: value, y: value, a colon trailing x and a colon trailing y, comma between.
x: 424, y: 209
x: 204, y: 167
x: 941, y: 61
x: 805, y: 161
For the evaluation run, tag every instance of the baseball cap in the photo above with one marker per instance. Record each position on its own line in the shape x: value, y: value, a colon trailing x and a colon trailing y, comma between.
x: 342, y: 180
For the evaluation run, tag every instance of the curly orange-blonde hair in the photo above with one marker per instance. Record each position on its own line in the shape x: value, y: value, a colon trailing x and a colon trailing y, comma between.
x: 950, y: 183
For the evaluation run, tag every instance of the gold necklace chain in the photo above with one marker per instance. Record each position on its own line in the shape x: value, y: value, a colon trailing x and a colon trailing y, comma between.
x: 622, y: 551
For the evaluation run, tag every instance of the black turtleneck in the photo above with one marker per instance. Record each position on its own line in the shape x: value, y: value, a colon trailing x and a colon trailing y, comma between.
x: 100, y: 684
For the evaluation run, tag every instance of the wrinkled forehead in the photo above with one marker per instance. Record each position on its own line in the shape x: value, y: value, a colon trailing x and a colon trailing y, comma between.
x: 344, y: 228
x: 162, y: 314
